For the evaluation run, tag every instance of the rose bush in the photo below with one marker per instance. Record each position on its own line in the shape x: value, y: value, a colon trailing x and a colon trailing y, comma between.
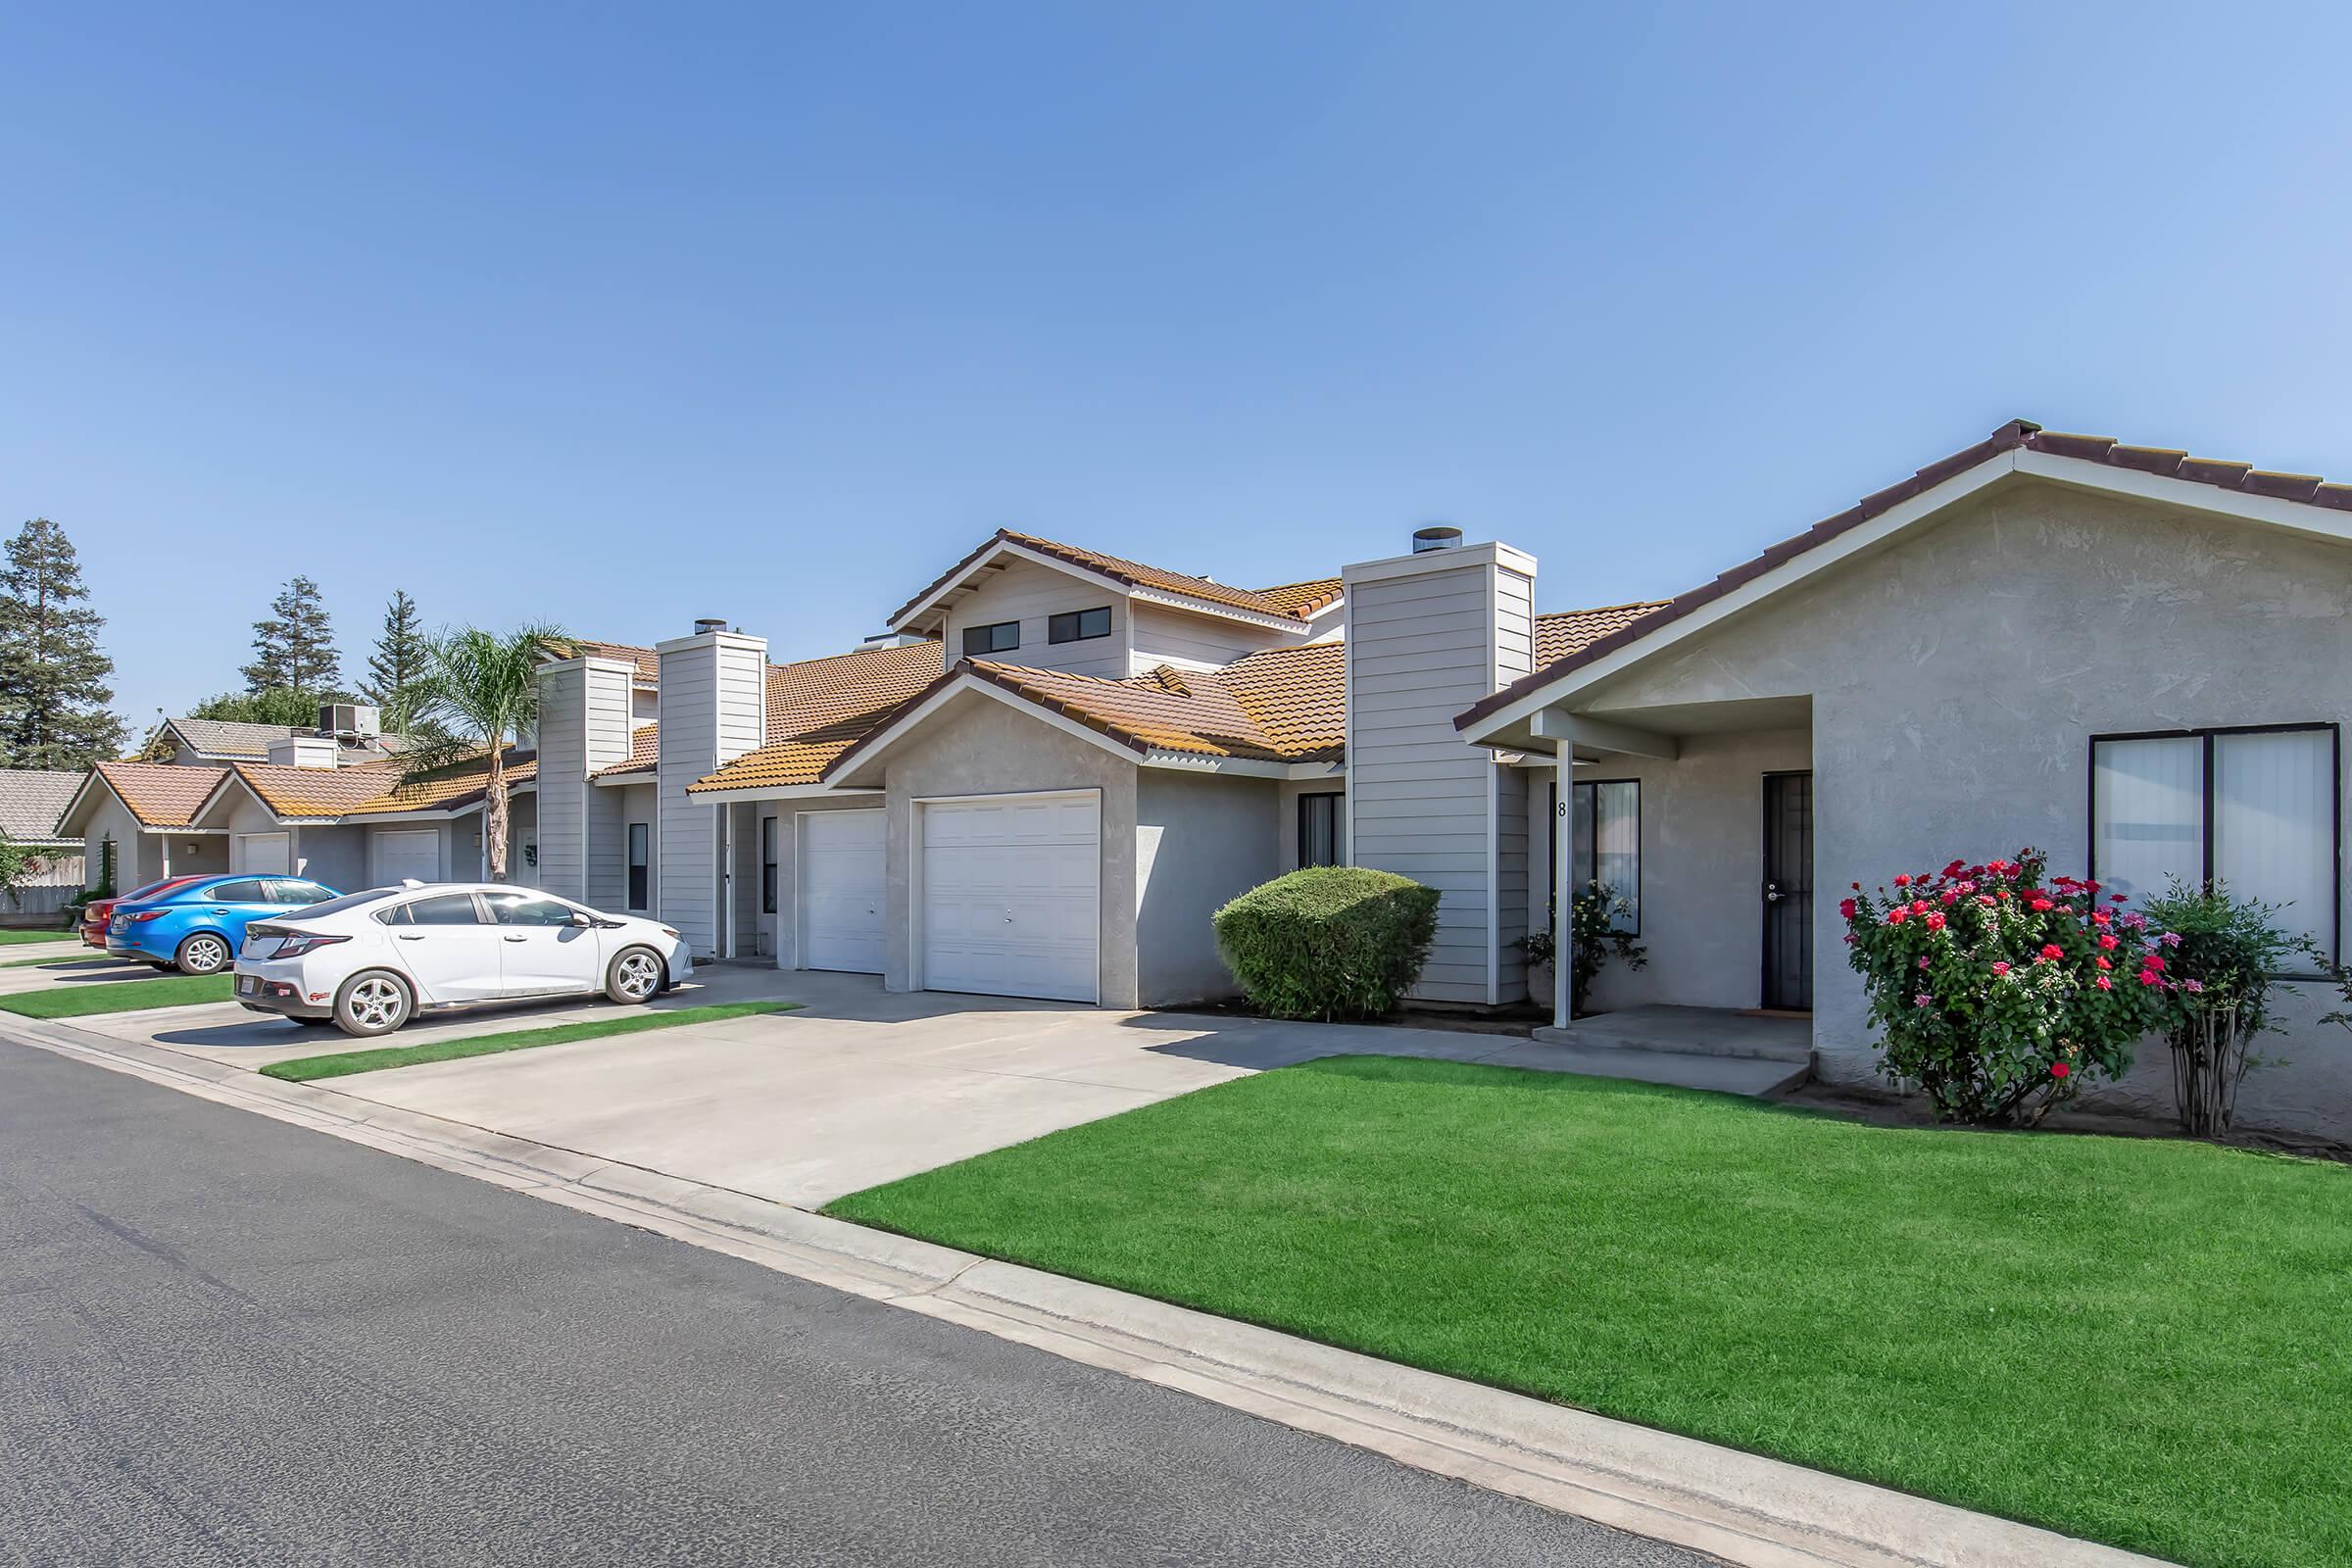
x: 2001, y: 993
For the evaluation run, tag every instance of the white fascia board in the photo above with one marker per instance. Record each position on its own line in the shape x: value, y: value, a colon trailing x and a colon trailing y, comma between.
x: 614, y: 781
x: 1228, y: 767
x: 2296, y: 517
x: 784, y: 792
x: 931, y: 603
x: 1493, y: 553
x: 1315, y: 772
x: 1788, y: 574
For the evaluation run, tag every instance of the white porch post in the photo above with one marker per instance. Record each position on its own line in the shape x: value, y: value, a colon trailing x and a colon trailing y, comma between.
x: 1564, y: 936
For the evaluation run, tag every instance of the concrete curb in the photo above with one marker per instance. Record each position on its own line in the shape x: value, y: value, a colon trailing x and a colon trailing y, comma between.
x: 1736, y: 1506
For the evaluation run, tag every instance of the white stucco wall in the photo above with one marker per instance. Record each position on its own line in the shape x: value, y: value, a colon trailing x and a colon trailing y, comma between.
x: 1031, y: 594
x: 1956, y: 680
x: 1199, y: 843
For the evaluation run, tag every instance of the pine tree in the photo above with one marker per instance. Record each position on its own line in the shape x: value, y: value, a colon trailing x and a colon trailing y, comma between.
x: 53, y: 675
x: 294, y: 650
x: 397, y: 663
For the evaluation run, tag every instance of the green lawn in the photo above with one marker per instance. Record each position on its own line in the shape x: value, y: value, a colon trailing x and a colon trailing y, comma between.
x: 117, y: 996
x: 306, y: 1069
x: 2144, y: 1342
x: 10, y: 938
x: 90, y: 960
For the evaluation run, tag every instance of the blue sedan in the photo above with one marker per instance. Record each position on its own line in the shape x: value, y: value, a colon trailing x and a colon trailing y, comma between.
x: 198, y: 926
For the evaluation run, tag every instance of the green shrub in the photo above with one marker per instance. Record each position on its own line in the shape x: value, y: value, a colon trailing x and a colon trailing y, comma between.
x: 1328, y: 941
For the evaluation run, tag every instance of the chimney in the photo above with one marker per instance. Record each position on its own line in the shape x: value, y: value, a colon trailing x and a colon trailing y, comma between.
x: 304, y: 750
x: 583, y: 727
x: 1428, y: 634
x: 714, y: 709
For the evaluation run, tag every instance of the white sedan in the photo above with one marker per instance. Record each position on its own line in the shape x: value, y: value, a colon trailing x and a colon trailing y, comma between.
x: 367, y: 963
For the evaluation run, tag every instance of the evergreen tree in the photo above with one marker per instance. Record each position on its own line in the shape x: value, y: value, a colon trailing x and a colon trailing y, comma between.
x: 281, y: 706
x: 53, y: 675
x: 294, y: 650
x: 397, y: 663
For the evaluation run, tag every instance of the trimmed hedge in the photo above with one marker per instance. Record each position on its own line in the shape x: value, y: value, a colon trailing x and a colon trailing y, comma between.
x: 1328, y: 941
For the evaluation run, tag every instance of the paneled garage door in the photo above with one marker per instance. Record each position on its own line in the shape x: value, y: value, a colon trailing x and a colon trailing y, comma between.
x: 841, y: 891
x: 1010, y: 891
x: 409, y: 852
x: 266, y: 852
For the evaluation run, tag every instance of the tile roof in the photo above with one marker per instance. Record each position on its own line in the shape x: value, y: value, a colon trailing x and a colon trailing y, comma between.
x: 2017, y: 435
x: 1297, y: 697
x: 1301, y: 598
x: 648, y: 663
x: 644, y: 754
x: 32, y: 799
x: 372, y: 788
x: 162, y: 794
x: 1284, y: 602
x: 221, y: 737
x: 1562, y: 633
x: 819, y: 707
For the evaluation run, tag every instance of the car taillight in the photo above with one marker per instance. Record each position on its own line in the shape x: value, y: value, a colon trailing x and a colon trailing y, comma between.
x: 145, y: 916
x: 298, y: 943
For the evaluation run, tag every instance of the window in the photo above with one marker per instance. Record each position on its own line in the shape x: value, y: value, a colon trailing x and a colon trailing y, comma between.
x: 1322, y: 829
x: 1001, y: 637
x: 231, y: 893
x: 1605, y: 832
x: 2255, y: 809
x: 525, y: 908
x: 298, y: 893
x: 1078, y: 625
x: 767, y: 865
x: 447, y: 909
x: 641, y: 864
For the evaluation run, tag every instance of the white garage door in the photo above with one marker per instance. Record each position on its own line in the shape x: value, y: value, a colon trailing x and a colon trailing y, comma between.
x: 263, y: 851
x: 841, y: 891
x: 409, y: 852
x: 1010, y: 893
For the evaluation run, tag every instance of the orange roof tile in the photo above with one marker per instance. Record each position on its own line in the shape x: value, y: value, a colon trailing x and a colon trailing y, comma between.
x: 1303, y: 598
x: 819, y: 707
x: 644, y: 754
x: 376, y: 788
x: 648, y: 663
x: 162, y: 794
x: 1564, y: 632
x: 1284, y: 602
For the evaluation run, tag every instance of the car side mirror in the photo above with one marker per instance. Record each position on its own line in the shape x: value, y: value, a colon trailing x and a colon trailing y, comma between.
x: 582, y: 920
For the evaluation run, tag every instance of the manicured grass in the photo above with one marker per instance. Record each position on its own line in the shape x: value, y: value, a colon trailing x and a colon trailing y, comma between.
x: 306, y: 1069
x: 118, y: 995
x: 87, y: 959
x: 2144, y: 1342
x: 11, y: 937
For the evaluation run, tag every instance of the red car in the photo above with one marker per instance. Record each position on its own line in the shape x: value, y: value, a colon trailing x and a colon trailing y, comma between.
x: 96, y: 913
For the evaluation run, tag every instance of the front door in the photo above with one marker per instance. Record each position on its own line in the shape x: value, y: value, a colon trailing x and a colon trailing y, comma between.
x: 1789, y: 891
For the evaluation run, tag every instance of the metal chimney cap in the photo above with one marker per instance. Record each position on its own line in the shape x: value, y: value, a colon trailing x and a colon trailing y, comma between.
x: 710, y: 623
x: 1437, y: 536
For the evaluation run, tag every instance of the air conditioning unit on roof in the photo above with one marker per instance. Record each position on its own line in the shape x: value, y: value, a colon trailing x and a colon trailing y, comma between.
x: 349, y: 722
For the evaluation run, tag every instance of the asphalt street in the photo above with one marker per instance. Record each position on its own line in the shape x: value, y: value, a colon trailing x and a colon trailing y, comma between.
x: 229, y: 1341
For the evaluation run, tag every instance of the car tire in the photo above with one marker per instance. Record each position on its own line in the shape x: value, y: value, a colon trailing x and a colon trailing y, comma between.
x: 371, y: 1002
x: 203, y: 953
x: 635, y: 976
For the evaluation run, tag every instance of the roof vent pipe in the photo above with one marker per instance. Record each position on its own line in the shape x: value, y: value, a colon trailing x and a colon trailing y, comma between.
x: 710, y: 623
x: 1440, y: 536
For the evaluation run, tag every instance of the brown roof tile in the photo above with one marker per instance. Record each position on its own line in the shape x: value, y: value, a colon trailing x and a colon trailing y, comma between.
x: 162, y: 794
x: 644, y: 754
x: 648, y: 663
x: 2017, y: 434
x: 819, y: 707
x: 376, y: 788
x: 1287, y: 600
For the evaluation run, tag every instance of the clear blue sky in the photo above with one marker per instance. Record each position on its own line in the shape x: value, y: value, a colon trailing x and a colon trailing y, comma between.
x: 618, y: 317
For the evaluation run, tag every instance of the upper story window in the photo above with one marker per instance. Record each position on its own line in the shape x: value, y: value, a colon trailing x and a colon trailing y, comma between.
x: 1000, y: 637
x: 1078, y: 625
x: 2254, y: 810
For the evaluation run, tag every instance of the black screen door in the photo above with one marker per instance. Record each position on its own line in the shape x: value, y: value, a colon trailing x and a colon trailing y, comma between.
x: 1789, y: 891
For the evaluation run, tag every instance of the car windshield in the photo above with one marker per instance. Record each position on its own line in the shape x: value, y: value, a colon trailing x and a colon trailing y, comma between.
x: 349, y: 900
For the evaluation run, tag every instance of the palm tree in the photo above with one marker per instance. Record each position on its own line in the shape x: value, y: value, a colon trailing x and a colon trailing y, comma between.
x: 477, y: 691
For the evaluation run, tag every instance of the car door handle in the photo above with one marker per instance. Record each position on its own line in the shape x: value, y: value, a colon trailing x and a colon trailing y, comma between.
x: 518, y: 939
x: 412, y: 935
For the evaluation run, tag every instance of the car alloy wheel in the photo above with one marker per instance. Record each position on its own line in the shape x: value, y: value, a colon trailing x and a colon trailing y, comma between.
x: 372, y: 1004
x: 203, y: 953
x: 636, y: 975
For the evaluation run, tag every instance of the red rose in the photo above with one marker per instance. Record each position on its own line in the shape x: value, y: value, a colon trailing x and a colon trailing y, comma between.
x: 2042, y: 905
x: 1936, y: 920
x: 2102, y: 963
x: 2151, y: 962
x: 2000, y: 968
x: 1846, y: 908
x: 1899, y: 914
x: 1919, y: 905
x: 2107, y: 940
x: 2051, y: 950
x: 1902, y: 880
x: 2059, y: 1070
x: 2101, y: 918
x: 2119, y: 898
x: 2103, y: 983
